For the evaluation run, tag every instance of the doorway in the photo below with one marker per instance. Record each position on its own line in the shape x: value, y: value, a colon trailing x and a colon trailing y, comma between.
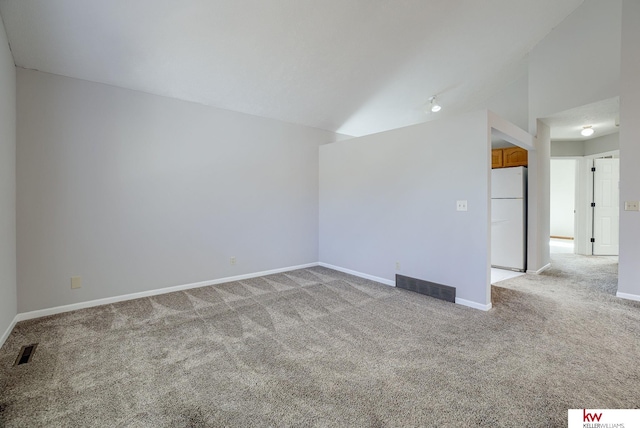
x: 584, y: 174
x: 508, y: 209
x: 562, y: 210
x: 584, y: 205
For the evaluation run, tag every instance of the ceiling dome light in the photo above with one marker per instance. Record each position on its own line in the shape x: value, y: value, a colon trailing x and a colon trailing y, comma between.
x: 587, y: 131
x: 433, y: 105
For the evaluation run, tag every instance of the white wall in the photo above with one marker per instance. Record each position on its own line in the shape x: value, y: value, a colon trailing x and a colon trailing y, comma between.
x: 558, y: 77
x: 594, y: 146
x: 391, y: 197
x: 7, y: 186
x: 604, y: 144
x: 563, y: 195
x: 629, y: 268
x: 135, y: 192
x: 538, y: 201
x: 563, y: 75
x: 567, y: 149
x: 578, y: 62
x: 512, y: 102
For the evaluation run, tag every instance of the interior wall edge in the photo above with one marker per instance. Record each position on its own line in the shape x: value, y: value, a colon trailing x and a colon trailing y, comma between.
x: 6, y: 334
x: 473, y: 305
x: 539, y: 271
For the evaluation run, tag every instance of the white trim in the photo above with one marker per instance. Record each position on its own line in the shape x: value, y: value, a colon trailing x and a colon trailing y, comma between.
x: 539, y: 271
x: 6, y: 334
x: 108, y: 300
x: 473, y: 305
x: 459, y: 301
x: 612, y: 153
x: 510, y: 132
x: 628, y: 296
x: 360, y: 274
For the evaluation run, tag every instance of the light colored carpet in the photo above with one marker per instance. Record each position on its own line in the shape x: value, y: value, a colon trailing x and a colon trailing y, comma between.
x: 316, y: 347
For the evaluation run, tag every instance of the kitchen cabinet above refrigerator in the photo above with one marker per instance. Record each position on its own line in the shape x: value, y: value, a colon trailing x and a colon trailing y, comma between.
x: 509, y: 157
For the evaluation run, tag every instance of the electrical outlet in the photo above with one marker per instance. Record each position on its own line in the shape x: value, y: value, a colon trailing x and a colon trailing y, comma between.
x: 461, y: 205
x: 76, y: 282
x: 632, y: 206
x: 397, y: 265
x: 232, y: 260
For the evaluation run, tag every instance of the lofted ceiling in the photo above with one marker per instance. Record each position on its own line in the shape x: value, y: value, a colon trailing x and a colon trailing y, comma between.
x: 351, y: 66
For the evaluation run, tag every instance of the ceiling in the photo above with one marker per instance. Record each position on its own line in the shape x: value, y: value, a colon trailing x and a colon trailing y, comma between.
x: 351, y: 66
x: 603, y: 116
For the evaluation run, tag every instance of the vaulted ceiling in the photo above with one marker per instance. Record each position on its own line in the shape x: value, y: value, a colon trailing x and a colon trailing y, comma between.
x: 352, y: 66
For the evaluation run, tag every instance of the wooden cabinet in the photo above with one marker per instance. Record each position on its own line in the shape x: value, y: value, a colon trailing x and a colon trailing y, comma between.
x: 508, y: 157
x: 514, y: 156
x: 496, y: 158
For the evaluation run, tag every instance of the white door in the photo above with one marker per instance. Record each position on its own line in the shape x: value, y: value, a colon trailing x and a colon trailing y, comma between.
x: 606, y: 214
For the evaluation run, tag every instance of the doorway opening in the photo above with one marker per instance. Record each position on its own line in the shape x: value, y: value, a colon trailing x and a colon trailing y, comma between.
x: 508, y: 209
x: 562, y: 204
x: 584, y: 187
x: 584, y: 205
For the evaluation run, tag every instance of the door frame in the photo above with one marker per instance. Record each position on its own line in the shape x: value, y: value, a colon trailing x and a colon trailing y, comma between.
x: 575, y: 185
x: 584, y: 197
x: 615, y: 194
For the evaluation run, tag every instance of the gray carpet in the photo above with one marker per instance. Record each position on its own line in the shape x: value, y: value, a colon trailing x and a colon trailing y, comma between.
x: 316, y: 347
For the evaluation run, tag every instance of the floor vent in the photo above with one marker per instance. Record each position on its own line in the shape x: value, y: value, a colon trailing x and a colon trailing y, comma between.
x: 25, y: 354
x: 439, y: 291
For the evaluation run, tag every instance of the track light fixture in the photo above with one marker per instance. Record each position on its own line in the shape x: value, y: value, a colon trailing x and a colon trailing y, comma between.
x: 433, y: 105
x: 587, y: 131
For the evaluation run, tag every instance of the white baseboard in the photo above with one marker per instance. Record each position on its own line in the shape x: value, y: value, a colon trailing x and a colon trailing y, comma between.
x: 459, y: 301
x: 473, y: 305
x: 106, y: 301
x: 6, y: 334
x: 628, y: 296
x: 359, y: 274
x: 539, y: 271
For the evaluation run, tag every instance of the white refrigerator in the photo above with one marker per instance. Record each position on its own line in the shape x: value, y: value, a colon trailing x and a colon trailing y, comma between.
x: 509, y: 218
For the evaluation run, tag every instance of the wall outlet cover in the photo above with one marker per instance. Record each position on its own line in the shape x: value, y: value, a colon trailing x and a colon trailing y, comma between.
x: 76, y: 282
x: 461, y: 205
x: 632, y: 206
